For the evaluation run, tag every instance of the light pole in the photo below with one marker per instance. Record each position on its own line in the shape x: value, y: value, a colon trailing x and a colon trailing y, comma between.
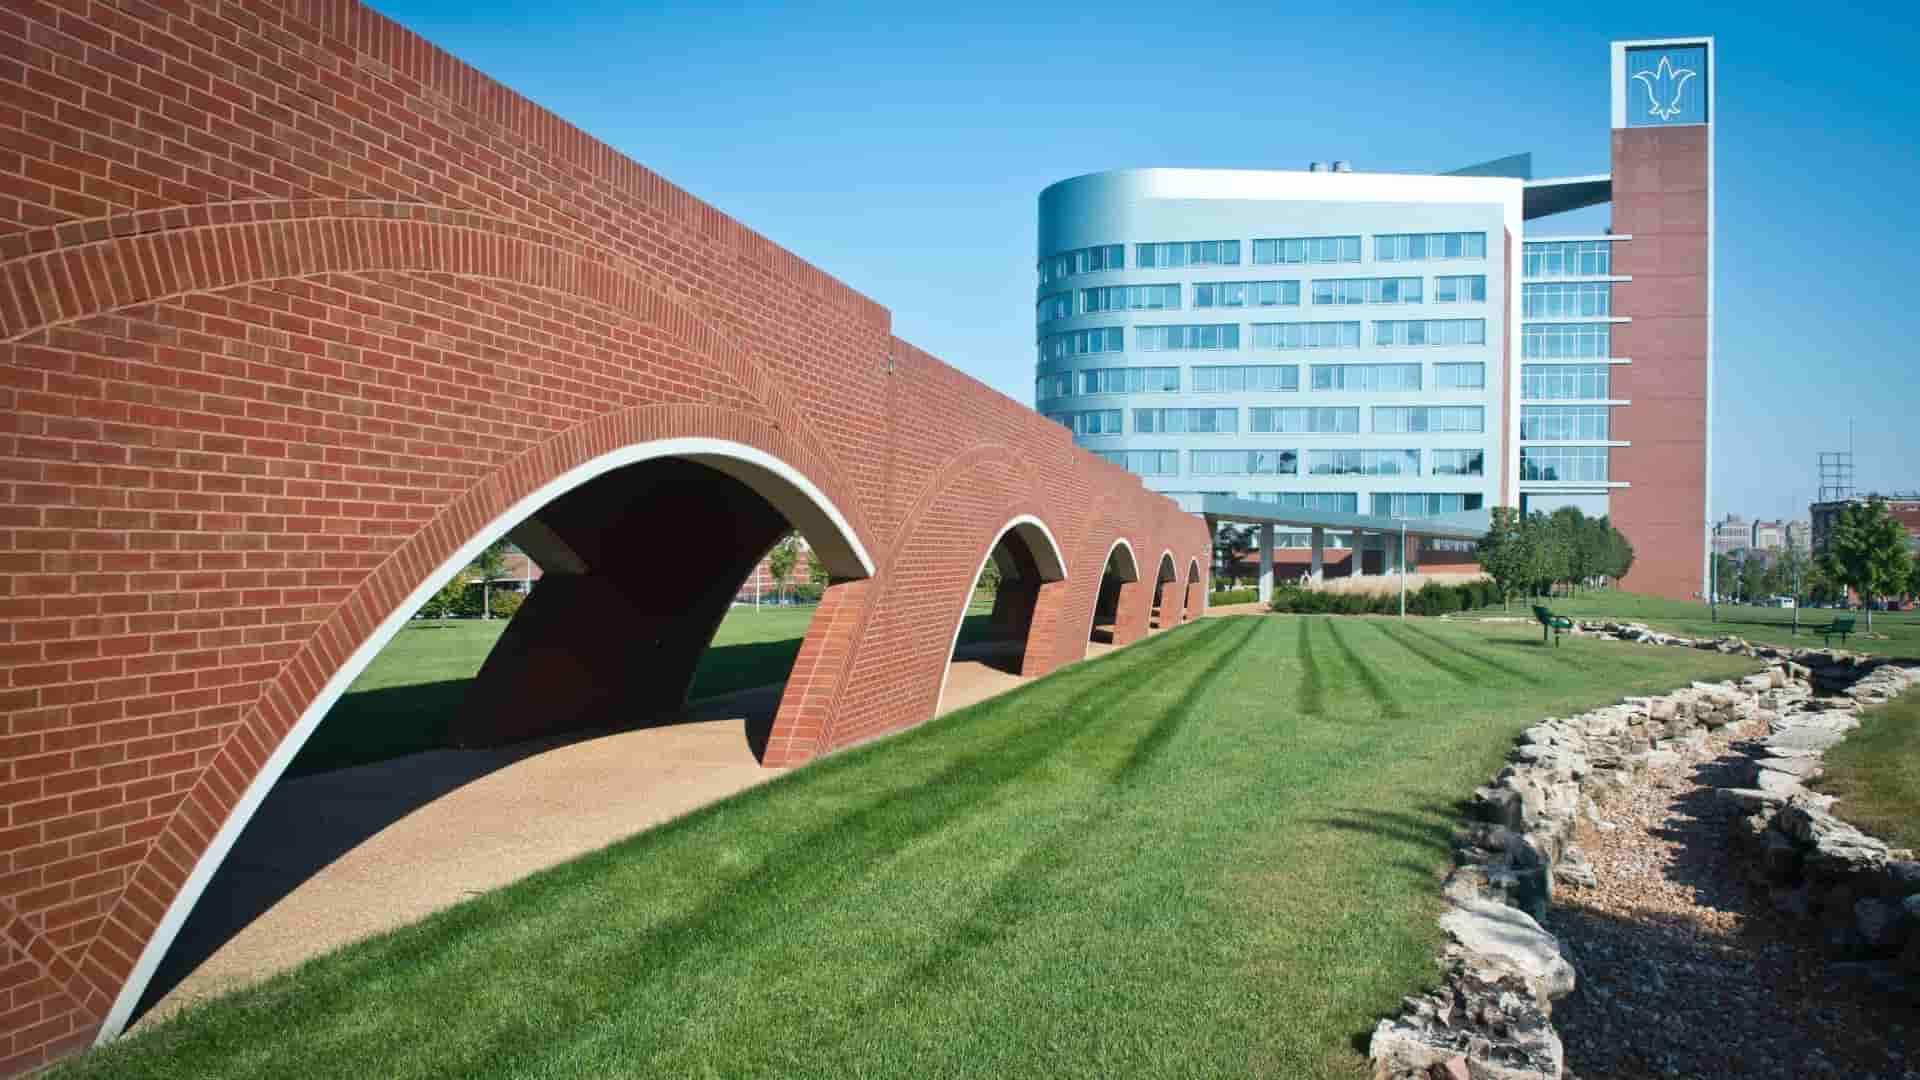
x: 1403, y: 569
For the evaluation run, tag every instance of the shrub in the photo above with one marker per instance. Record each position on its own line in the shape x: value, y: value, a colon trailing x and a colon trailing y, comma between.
x: 1233, y: 596
x: 505, y: 603
x: 1433, y: 598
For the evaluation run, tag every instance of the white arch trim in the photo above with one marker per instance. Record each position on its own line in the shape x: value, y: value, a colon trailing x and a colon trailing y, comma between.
x: 1167, y: 560
x: 804, y: 504
x: 1051, y: 564
x: 1133, y: 564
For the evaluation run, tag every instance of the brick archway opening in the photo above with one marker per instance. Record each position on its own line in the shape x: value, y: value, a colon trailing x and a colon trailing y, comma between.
x: 1119, y: 580
x: 1160, y: 617
x: 1190, y: 603
x: 643, y: 552
x: 994, y: 640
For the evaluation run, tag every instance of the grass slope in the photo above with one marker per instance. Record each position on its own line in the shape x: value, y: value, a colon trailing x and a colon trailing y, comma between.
x: 1876, y: 773
x: 1213, y: 852
x: 1895, y: 633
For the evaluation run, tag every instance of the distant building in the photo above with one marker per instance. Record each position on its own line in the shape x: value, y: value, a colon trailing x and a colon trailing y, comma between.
x: 1800, y: 536
x: 1905, y: 509
x: 1769, y: 536
x: 1735, y: 533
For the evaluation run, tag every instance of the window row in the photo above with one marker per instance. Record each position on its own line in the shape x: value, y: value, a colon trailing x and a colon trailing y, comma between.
x: 1430, y: 331
x: 1392, y: 290
x: 1563, y: 423
x: 1269, y: 251
x: 1566, y: 299
x: 1288, y: 251
x: 1102, y: 339
x: 1459, y: 288
x: 1411, y: 504
x: 1129, y: 298
x: 1188, y: 253
x: 1566, y: 341
x: 1205, y: 336
x: 1417, y: 418
x: 1287, y: 462
x: 1587, y: 463
x: 1085, y: 260
x: 1549, y: 382
x: 1285, y: 419
x: 1246, y: 294
x: 1409, y: 247
x: 1239, y: 378
x: 1306, y: 335
x: 1567, y: 258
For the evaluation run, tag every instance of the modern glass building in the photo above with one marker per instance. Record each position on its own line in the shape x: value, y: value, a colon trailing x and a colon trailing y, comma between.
x: 1402, y: 346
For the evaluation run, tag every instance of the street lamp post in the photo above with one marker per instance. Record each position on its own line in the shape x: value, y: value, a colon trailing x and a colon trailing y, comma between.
x: 1403, y: 569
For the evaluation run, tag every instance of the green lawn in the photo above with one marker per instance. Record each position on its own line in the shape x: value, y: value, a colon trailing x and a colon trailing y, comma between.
x: 1876, y: 773
x: 1215, y: 852
x: 1895, y: 633
x: 404, y: 700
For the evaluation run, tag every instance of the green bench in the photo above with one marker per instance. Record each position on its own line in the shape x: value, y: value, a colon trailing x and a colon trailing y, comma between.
x: 1841, y: 625
x: 1551, y: 625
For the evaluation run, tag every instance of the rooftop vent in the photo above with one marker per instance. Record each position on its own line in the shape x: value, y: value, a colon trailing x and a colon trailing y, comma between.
x: 1317, y: 166
x: 1343, y: 166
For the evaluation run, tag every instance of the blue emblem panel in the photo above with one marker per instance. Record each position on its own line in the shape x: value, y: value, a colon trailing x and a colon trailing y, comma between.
x: 1666, y: 85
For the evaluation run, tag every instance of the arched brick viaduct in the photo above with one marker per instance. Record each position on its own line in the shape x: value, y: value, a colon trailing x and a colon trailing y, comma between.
x: 296, y: 310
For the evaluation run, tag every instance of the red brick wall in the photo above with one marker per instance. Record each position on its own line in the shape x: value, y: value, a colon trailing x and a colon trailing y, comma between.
x: 292, y: 305
x: 1660, y: 197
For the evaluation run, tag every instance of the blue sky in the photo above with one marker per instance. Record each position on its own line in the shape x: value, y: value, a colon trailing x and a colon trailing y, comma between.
x: 902, y: 152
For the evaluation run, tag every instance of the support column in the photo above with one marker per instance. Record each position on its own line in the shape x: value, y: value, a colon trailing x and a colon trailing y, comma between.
x: 1266, y: 563
x: 1359, y: 553
x: 1319, y: 553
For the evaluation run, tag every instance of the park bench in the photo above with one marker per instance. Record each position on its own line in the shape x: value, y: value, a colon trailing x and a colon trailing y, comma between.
x: 1551, y: 625
x: 1841, y: 625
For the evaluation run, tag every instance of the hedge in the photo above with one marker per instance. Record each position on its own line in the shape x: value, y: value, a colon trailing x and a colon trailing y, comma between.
x: 1432, y: 598
x: 1233, y: 596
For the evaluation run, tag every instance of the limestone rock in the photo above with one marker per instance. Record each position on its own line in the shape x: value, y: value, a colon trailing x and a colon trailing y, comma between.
x: 1494, y: 930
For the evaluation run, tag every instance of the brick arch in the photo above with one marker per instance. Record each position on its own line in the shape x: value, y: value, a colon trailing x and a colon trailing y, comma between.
x: 252, y: 758
x: 1192, y: 590
x: 1037, y: 601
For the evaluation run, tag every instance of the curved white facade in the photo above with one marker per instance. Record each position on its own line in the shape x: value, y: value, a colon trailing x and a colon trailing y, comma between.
x: 1284, y: 354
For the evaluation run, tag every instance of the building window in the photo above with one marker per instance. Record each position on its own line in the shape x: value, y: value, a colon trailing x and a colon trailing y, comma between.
x: 1459, y: 288
x: 1092, y: 422
x: 1563, y: 423
x: 1566, y: 341
x: 1306, y: 335
x: 1363, y: 462
x: 1567, y: 258
x: 1139, y: 380
x: 1206, y: 337
x: 1055, y: 306
x: 1459, y: 376
x: 1296, y: 420
x: 1412, y: 504
x: 1085, y: 260
x: 1459, y: 462
x: 1382, y: 378
x: 1400, y: 419
x: 1582, y: 463
x: 1550, y: 382
x: 1186, y: 421
x: 1146, y: 462
x: 1566, y: 300
x: 1430, y: 331
x: 1338, y: 502
x: 1105, y: 339
x: 1246, y: 294
x: 1243, y: 462
x: 1391, y: 290
x: 1244, y: 377
x: 1187, y: 253
x: 1289, y: 251
x: 1130, y: 298
x: 1053, y: 386
x: 1412, y: 247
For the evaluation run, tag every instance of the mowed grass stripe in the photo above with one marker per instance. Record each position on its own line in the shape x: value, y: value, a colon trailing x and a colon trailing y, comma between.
x: 1215, y: 852
x: 1475, y: 655
x: 1398, y: 635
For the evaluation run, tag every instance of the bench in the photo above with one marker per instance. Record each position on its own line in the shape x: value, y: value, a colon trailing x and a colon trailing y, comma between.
x: 1841, y: 625
x: 1551, y: 625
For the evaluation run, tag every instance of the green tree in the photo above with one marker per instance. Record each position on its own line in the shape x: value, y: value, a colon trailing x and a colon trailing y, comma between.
x: 989, y: 578
x: 1550, y: 553
x: 1506, y: 552
x: 781, y: 561
x: 1230, y: 543
x: 1867, y: 551
x: 1619, y: 553
x: 1752, y: 578
x: 489, y: 566
x: 447, y: 600
x: 816, y: 570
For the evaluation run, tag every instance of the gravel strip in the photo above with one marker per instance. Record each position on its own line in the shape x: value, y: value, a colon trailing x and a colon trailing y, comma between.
x: 1686, y: 972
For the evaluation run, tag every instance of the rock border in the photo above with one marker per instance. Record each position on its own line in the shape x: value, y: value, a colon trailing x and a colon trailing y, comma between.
x: 1491, y: 1017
